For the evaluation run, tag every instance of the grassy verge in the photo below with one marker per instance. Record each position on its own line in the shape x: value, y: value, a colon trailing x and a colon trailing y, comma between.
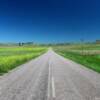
x: 12, y: 57
x: 90, y: 61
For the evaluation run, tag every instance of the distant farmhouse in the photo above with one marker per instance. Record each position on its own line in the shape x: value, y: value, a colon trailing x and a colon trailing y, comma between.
x: 97, y: 41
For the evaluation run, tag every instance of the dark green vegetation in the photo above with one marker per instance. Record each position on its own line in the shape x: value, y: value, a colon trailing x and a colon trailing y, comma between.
x: 86, y: 54
x: 10, y: 57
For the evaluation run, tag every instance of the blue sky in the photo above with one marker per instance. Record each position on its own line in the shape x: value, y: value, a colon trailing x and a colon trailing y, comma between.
x: 45, y: 21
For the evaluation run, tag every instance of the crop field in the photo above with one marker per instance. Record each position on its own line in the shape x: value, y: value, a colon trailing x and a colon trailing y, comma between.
x: 10, y: 57
x: 86, y: 54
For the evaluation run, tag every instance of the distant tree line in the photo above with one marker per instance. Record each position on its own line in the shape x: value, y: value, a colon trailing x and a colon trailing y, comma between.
x: 48, y: 44
x: 25, y: 43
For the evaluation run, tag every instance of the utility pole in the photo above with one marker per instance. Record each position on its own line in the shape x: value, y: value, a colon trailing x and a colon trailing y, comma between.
x: 82, y: 45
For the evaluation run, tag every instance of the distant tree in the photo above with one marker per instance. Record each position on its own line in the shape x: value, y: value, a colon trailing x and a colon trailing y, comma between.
x: 97, y: 41
x: 20, y: 44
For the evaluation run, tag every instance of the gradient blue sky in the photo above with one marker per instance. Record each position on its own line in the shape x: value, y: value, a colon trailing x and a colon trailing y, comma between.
x: 45, y: 21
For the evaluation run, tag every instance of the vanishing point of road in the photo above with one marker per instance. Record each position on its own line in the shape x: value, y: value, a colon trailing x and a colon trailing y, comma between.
x: 50, y: 77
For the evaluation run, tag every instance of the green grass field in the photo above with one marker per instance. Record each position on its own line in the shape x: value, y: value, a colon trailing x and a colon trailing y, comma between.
x: 88, y: 55
x: 11, y: 57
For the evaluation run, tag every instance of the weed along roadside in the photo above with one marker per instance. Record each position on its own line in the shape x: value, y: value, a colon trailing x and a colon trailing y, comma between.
x: 13, y: 57
x: 90, y: 58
